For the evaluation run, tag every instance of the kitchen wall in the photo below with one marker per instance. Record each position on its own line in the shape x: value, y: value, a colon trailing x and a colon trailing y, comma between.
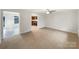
x: 62, y: 20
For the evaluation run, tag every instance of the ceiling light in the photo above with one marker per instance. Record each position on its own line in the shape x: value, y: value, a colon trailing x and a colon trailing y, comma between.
x: 47, y: 12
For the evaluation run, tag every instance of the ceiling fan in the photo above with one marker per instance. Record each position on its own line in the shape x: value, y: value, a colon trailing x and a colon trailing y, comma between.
x: 49, y: 11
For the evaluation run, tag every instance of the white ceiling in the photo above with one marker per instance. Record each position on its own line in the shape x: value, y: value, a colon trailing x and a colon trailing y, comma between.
x: 41, y: 10
x: 37, y: 10
x: 44, y: 10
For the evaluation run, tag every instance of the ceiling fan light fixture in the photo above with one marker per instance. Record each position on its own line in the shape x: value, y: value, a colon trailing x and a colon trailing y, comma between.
x: 47, y: 12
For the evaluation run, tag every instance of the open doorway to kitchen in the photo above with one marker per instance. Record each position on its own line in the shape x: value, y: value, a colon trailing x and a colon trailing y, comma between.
x: 34, y: 22
x: 11, y: 24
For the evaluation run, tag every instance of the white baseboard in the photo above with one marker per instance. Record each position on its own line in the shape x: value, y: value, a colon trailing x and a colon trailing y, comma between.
x: 0, y: 41
x: 61, y: 29
x: 25, y: 32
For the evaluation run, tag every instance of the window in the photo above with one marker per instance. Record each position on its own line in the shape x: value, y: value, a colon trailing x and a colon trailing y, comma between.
x: 16, y: 19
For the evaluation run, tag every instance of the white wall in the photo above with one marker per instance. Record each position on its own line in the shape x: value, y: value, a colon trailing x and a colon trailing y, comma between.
x: 41, y: 21
x: 25, y: 24
x: 0, y: 25
x: 63, y: 20
x: 78, y: 22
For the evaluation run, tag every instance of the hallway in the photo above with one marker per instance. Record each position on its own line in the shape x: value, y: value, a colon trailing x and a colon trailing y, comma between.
x: 44, y: 38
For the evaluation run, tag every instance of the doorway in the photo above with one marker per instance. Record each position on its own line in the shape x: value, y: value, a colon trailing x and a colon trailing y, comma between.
x: 11, y: 24
x: 34, y: 22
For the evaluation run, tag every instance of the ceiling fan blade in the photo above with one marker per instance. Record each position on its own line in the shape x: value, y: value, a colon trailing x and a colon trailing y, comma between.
x: 53, y: 11
x: 49, y: 11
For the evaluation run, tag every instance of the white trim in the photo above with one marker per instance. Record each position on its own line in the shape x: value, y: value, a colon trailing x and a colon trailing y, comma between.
x: 25, y: 32
x: 60, y: 29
